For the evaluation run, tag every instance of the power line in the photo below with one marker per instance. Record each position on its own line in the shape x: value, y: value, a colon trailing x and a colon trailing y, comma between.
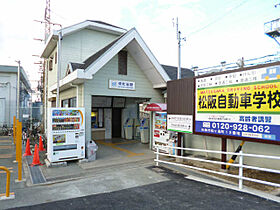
x: 219, y: 18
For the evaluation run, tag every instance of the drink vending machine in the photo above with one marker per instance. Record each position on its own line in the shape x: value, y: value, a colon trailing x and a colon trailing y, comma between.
x: 160, y: 133
x: 66, y: 134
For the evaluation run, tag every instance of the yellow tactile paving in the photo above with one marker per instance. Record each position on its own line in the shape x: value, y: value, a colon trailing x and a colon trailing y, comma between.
x: 126, y: 142
x: 130, y: 154
x: 2, y: 156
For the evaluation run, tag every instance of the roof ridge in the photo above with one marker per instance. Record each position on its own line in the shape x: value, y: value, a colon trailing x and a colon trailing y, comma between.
x: 105, y: 23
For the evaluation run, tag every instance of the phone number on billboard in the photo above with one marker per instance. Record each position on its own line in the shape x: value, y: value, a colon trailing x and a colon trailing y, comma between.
x: 237, y: 127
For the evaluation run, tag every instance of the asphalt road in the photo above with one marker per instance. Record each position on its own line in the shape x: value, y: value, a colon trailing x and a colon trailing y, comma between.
x: 176, y: 193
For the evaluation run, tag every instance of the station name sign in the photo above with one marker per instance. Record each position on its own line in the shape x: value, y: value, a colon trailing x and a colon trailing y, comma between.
x: 239, y: 104
x: 123, y: 85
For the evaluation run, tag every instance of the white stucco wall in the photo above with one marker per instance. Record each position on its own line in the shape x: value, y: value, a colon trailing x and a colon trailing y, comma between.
x: 79, y: 46
x: 99, y: 85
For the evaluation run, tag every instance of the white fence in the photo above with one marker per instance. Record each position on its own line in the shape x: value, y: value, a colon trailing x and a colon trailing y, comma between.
x: 240, y: 165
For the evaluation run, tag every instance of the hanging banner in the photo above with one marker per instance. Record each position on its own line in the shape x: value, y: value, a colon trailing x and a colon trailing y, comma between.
x: 241, y: 104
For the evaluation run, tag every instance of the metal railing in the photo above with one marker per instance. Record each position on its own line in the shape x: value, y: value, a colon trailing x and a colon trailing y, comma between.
x: 8, y: 180
x: 240, y: 165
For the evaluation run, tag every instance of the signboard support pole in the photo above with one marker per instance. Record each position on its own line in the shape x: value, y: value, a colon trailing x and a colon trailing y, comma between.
x: 224, y: 156
x: 179, y: 144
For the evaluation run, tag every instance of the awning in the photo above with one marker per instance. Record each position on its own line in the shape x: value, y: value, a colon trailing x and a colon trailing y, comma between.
x: 156, y: 107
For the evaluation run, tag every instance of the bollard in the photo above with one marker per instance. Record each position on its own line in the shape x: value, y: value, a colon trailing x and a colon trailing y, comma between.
x: 8, y: 180
x: 19, y: 144
x: 17, y: 137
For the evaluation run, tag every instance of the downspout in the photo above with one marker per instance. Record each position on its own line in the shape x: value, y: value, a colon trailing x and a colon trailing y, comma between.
x: 77, y: 93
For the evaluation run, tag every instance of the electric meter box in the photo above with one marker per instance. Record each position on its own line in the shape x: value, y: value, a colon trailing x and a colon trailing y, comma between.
x: 66, y: 134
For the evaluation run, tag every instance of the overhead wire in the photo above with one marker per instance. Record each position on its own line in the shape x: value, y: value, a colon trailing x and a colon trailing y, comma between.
x: 219, y: 18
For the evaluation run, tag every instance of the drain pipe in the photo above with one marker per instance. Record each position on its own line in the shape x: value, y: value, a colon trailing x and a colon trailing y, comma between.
x: 77, y: 93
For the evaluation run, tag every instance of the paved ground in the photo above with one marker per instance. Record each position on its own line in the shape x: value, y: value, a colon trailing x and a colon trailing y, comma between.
x: 7, y: 156
x: 110, y: 153
x: 122, y: 177
x: 175, y: 193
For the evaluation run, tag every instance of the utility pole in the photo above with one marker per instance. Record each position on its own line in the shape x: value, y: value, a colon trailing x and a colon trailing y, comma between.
x: 18, y: 88
x: 179, y: 39
x: 58, y: 67
x: 47, y: 19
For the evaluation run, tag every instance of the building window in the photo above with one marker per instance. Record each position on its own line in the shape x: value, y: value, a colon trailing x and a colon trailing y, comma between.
x: 73, y: 102
x: 97, y: 118
x: 70, y: 102
x: 51, y: 64
x: 65, y: 103
x: 122, y: 56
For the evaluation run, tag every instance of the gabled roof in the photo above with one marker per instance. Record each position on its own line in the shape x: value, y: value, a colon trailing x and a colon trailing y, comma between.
x: 104, y: 23
x: 88, y: 24
x: 136, y: 47
x: 172, y: 72
x: 142, y: 55
x: 14, y: 69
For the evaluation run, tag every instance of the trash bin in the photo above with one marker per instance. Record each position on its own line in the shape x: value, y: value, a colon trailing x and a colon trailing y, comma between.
x: 91, y: 150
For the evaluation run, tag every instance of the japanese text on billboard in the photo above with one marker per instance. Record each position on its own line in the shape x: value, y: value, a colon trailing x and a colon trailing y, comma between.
x: 243, y: 104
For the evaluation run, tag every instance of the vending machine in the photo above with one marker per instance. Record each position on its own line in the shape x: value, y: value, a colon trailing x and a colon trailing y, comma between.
x: 160, y: 133
x: 66, y: 134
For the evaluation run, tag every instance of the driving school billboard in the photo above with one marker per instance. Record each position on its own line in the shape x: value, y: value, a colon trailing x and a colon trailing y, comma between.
x: 239, y: 104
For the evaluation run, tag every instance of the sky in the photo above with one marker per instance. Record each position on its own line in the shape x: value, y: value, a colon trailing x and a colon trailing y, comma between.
x: 215, y: 30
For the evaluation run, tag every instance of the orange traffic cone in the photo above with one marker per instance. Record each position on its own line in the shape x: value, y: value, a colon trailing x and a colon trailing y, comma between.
x: 36, y: 158
x: 41, y: 147
x: 27, y: 149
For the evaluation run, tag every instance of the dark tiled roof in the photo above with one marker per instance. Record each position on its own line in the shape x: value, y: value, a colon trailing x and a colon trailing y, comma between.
x: 104, y: 23
x: 76, y: 65
x: 172, y: 72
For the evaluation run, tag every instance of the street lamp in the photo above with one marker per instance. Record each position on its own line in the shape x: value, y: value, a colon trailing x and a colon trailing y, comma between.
x: 18, y: 87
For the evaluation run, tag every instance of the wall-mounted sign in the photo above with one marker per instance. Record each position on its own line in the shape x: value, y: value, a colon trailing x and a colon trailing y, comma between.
x: 180, y: 123
x: 240, y: 104
x: 124, y: 85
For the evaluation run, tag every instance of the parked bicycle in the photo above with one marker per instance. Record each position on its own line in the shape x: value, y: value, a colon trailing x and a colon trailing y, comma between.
x: 5, y: 130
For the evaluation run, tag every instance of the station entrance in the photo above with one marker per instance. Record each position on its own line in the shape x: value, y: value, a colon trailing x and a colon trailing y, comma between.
x: 115, y: 128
